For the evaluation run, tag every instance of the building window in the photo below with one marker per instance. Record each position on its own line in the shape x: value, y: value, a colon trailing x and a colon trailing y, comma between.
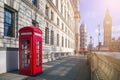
x: 47, y: 35
x: 66, y: 43
x: 68, y: 19
x: 62, y: 41
x: 57, y: 39
x: 66, y: 29
x: 38, y: 44
x: 61, y: 6
x: 47, y: 11
x: 52, y: 15
x: 10, y: 22
x: 68, y: 32
x: 65, y: 12
x: 62, y: 26
x: 57, y: 21
x: 34, y: 2
x: 52, y: 38
x: 35, y: 23
x: 57, y: 3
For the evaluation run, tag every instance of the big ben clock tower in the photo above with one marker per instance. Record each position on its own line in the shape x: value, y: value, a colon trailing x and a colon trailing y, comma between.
x: 107, y: 29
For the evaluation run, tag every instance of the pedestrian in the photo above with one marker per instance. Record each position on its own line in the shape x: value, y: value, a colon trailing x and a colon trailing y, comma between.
x: 75, y: 52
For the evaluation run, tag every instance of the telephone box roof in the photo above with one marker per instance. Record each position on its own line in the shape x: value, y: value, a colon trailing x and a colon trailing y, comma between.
x: 31, y: 28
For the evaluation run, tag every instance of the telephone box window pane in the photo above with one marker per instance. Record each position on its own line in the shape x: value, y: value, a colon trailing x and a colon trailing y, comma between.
x: 37, y: 53
x: 25, y: 54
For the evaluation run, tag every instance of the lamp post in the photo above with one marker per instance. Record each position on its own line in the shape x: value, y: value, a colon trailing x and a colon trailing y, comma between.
x: 90, y: 45
x: 98, y: 36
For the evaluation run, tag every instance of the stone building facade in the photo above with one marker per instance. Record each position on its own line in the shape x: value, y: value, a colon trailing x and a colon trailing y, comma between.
x: 83, y: 37
x: 58, y: 19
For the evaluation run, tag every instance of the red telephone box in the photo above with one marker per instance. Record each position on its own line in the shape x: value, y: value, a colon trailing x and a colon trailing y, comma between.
x: 30, y: 50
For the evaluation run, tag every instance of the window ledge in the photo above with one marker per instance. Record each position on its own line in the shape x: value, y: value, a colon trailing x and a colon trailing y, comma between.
x: 7, y: 37
x: 30, y: 4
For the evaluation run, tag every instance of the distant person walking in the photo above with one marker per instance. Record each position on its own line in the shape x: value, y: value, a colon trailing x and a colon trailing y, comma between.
x: 75, y: 52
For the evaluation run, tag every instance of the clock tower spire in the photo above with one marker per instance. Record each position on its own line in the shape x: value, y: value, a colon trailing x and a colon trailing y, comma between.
x: 107, y: 29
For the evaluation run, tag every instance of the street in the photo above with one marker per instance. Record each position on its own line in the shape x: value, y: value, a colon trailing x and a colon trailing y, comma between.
x: 67, y: 68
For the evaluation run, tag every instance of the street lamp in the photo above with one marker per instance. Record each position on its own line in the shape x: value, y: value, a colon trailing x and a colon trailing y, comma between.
x: 90, y: 45
x: 98, y: 36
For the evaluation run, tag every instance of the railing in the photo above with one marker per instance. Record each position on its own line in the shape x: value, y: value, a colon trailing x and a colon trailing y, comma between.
x: 103, y: 67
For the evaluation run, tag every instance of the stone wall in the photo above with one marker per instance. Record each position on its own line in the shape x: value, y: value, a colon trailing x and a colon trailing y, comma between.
x: 104, y: 67
x: 26, y: 12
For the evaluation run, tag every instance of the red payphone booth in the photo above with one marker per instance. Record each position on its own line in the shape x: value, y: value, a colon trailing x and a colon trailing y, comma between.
x: 30, y: 50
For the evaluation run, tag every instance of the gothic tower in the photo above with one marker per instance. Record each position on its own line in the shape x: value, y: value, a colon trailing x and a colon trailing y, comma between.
x: 107, y: 29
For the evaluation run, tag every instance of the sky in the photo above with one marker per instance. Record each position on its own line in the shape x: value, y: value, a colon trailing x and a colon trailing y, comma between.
x: 92, y: 13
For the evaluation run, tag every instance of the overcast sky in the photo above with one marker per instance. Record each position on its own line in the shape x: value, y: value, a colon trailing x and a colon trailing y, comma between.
x: 93, y: 12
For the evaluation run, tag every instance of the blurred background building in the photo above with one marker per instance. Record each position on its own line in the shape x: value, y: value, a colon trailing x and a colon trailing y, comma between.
x: 110, y: 43
x: 107, y: 29
x: 83, y: 37
x: 76, y: 4
x: 115, y: 45
x: 91, y: 44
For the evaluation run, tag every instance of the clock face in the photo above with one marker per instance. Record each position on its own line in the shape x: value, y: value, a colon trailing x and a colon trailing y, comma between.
x: 107, y: 22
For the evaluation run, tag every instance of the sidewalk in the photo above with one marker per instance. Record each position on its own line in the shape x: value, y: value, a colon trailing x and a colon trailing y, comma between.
x: 69, y: 68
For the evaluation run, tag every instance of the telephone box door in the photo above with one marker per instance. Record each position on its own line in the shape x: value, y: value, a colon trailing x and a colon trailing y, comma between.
x: 38, y: 54
x: 25, y: 56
